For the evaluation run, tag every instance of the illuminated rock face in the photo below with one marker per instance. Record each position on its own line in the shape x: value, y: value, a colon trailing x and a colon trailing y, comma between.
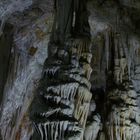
x: 84, y: 88
x: 25, y: 67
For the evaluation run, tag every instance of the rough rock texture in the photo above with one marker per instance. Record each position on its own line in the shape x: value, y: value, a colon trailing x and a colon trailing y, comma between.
x: 28, y: 53
x: 113, y: 112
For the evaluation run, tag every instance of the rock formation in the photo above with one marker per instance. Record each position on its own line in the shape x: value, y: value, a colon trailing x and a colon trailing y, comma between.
x: 69, y: 70
x: 60, y: 108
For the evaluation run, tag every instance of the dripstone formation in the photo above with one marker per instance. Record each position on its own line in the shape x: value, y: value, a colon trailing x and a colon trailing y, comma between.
x: 60, y: 108
x: 69, y: 70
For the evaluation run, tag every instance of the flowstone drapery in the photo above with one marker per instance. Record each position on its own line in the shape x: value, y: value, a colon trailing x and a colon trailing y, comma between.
x: 60, y: 108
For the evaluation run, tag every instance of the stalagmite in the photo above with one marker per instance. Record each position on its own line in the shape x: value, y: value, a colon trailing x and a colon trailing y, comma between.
x: 64, y: 93
x: 122, y: 122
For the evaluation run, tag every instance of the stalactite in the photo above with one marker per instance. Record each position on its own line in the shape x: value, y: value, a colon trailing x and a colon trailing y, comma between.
x: 81, y: 109
x: 24, y: 72
x: 107, y: 45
